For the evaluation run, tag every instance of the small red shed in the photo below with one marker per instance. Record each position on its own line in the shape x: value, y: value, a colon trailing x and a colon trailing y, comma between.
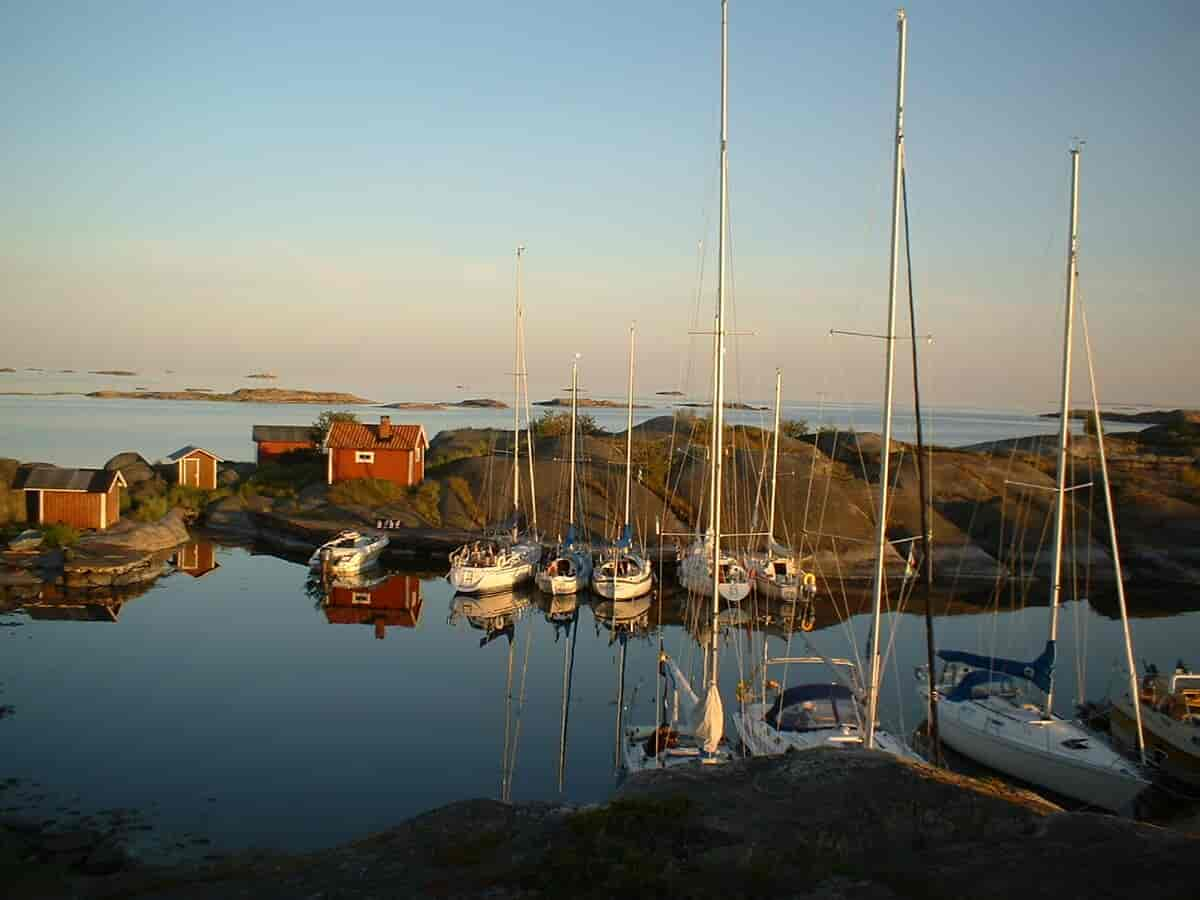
x: 81, y: 498
x: 195, y: 467
x: 274, y: 441
x: 389, y: 452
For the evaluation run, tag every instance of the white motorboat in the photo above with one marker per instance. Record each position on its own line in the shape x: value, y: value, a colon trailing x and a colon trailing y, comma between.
x: 1170, y: 714
x: 489, y: 565
x: 831, y: 712
x: 349, y: 552
x: 986, y: 711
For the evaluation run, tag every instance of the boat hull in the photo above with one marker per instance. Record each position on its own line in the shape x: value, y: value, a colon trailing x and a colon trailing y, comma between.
x: 1029, y: 752
x: 490, y: 580
x: 1175, y: 745
x: 760, y: 739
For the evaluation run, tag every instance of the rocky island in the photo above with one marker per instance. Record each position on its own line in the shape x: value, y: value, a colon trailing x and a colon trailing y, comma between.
x: 435, y: 405
x: 587, y: 403
x: 122, y: 372
x: 242, y: 395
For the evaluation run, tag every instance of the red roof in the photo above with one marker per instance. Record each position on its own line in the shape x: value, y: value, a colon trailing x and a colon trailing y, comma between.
x: 357, y: 436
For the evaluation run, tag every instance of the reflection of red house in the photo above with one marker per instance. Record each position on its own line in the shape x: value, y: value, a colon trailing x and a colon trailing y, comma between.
x: 197, y: 558
x: 389, y: 452
x: 391, y: 600
x: 275, y: 440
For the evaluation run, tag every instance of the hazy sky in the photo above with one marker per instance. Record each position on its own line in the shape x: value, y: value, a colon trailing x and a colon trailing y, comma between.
x: 333, y: 191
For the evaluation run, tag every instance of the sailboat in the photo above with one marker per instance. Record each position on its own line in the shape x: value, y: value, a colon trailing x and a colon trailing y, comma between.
x: 510, y: 558
x: 985, y: 707
x: 701, y: 732
x: 623, y: 573
x: 838, y: 710
x: 777, y: 573
x: 570, y: 567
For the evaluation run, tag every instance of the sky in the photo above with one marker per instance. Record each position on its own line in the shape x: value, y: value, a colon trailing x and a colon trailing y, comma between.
x: 333, y: 192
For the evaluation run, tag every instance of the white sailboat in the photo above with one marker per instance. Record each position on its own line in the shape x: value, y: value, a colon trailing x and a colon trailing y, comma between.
x: 504, y: 561
x: 570, y: 567
x: 986, y: 706
x: 777, y: 573
x: 838, y: 710
x: 622, y: 572
x: 700, y: 735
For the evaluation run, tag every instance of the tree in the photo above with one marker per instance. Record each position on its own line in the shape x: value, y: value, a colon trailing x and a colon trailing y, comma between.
x: 558, y: 424
x: 793, y: 428
x: 320, y: 428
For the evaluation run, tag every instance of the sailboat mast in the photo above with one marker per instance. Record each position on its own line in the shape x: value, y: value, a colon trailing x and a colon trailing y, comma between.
x: 774, y: 462
x: 629, y: 428
x: 719, y: 346
x: 517, y: 395
x: 885, y: 447
x: 1113, y: 548
x: 574, y: 395
x: 1064, y: 424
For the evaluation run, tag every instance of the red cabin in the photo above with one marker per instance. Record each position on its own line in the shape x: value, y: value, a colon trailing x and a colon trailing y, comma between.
x: 275, y: 440
x: 194, y: 467
x: 389, y: 452
x: 81, y: 498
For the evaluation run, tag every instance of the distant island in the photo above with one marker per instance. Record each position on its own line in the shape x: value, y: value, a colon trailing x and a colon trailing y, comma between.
x: 1153, y: 417
x: 243, y: 395
x: 727, y: 406
x: 7, y: 369
x: 66, y: 371
x: 593, y: 404
x: 109, y: 372
x: 668, y: 393
x: 269, y: 375
x: 436, y: 405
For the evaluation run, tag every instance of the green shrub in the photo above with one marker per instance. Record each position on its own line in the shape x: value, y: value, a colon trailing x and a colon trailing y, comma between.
x: 365, y: 492
x: 59, y: 535
x: 193, y: 499
x: 793, y: 428
x: 320, y: 428
x: 460, y: 489
x: 151, y: 509
x: 275, y: 479
x: 126, y: 502
x: 425, y: 497
x: 556, y: 424
x: 446, y: 455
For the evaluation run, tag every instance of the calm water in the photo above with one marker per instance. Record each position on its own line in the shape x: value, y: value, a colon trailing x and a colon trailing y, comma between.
x: 81, y: 431
x: 241, y: 707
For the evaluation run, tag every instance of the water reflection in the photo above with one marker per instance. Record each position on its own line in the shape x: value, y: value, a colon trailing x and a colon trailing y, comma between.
x: 196, y: 558
x: 379, y: 599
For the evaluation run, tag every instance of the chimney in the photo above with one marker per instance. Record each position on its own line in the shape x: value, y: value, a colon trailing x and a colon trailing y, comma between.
x: 385, y: 428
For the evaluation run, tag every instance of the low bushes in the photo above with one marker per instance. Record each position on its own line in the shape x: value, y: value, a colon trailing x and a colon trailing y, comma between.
x: 365, y: 492
x: 59, y: 535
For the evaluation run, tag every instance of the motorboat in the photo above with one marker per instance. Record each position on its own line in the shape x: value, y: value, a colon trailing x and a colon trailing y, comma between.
x: 349, y: 552
x: 1170, y: 708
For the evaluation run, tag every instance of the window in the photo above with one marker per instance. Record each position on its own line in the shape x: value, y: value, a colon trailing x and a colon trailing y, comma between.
x: 360, y: 599
x: 364, y: 456
x: 418, y: 452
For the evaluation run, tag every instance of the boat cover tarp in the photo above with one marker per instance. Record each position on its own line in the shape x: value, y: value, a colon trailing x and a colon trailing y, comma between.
x: 709, y: 723
x: 626, y: 540
x: 829, y: 704
x: 1038, y: 672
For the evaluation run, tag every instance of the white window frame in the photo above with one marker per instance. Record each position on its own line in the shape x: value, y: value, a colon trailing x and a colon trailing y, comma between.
x: 364, y: 456
x: 360, y: 599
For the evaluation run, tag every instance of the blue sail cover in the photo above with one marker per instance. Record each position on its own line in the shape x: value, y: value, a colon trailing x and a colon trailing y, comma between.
x: 571, y: 536
x: 626, y: 540
x: 987, y: 668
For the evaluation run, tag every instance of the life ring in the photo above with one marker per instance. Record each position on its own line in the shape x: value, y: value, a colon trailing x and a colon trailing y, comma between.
x: 808, y: 621
x: 810, y: 582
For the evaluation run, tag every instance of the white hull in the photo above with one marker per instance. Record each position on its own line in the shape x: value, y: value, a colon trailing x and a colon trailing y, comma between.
x: 636, y: 759
x: 623, y: 587
x: 513, y: 566
x: 348, y: 553
x: 701, y: 584
x: 1020, y: 743
x: 559, y: 584
x: 760, y: 739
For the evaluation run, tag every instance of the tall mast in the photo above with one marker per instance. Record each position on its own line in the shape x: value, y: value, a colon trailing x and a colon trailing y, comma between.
x: 517, y: 396
x: 719, y: 348
x: 574, y: 395
x: 886, y: 446
x: 1114, y: 549
x: 1064, y: 424
x: 629, y: 428
x: 774, y: 462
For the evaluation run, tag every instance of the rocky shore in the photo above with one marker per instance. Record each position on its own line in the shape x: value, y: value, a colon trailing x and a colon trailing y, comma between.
x: 826, y: 823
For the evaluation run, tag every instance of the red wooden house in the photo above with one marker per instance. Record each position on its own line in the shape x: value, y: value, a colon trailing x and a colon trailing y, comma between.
x: 393, y: 600
x: 389, y: 452
x: 275, y: 440
x: 194, y: 467
x: 81, y: 498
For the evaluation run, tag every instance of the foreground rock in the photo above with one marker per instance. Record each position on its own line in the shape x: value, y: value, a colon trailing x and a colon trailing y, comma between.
x: 146, y: 537
x: 833, y: 823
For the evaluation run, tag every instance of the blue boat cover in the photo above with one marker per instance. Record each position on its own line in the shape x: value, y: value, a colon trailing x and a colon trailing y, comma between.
x: 571, y: 537
x: 988, y: 667
x: 831, y: 702
x: 626, y: 540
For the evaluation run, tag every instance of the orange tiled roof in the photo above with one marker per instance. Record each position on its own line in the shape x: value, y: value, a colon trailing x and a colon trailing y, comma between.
x: 357, y: 436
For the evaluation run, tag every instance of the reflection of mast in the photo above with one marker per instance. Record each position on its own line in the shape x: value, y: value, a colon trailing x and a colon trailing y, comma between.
x: 568, y: 673
x: 512, y: 722
x: 618, y: 757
